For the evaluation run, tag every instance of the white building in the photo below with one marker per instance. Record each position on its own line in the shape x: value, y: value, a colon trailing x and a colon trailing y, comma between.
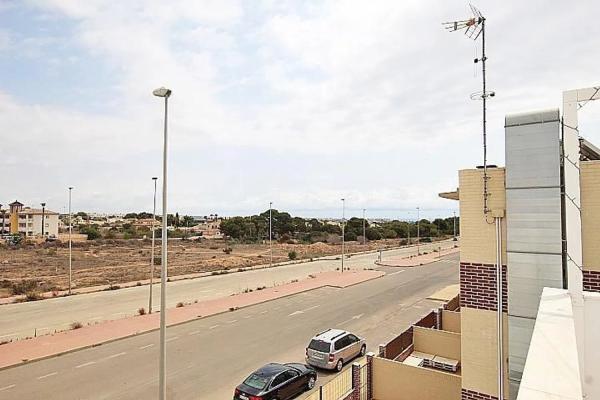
x: 29, y: 221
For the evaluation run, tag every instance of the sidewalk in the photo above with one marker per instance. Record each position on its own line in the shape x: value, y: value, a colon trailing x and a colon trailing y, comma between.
x: 415, y: 261
x: 22, y: 351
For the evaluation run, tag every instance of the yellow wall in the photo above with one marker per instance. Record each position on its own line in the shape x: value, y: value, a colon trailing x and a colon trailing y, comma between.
x: 14, y: 223
x: 395, y: 381
x: 436, y: 342
x: 478, y: 237
x: 590, y: 214
x: 479, y: 351
x: 451, y: 321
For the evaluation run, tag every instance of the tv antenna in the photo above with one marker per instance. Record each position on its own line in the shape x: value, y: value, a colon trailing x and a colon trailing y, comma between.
x: 473, y: 28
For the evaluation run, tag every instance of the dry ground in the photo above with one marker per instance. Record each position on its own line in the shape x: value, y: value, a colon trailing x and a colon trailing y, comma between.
x: 119, y: 261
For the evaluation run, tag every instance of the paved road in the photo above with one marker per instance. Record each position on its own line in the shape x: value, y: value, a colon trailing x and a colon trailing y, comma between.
x: 42, y: 317
x: 208, y: 357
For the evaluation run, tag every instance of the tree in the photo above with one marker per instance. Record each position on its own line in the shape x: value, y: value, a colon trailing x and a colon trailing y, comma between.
x: 91, y: 231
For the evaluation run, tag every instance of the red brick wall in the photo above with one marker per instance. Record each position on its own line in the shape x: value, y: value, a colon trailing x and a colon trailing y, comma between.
x: 473, y: 395
x: 591, y: 281
x: 478, y: 286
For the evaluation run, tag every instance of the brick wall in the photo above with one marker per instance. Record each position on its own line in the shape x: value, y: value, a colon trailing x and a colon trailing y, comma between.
x: 591, y: 281
x: 478, y: 286
x: 473, y: 395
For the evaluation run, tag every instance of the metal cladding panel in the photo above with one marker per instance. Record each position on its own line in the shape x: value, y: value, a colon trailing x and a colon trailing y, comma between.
x: 529, y: 274
x: 520, y: 331
x: 532, y: 153
x: 533, y: 220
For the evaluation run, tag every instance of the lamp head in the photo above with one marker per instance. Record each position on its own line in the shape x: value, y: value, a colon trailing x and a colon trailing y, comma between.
x: 162, y: 92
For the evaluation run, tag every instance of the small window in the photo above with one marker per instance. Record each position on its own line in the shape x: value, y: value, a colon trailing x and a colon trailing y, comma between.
x: 352, y: 339
x: 290, y: 374
x: 279, y: 379
x: 341, y: 343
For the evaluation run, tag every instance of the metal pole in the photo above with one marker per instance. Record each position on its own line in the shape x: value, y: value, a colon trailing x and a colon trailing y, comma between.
x: 271, y: 232
x: 499, y: 307
x: 343, y: 229
x: 485, y: 177
x: 454, y: 212
x: 418, y: 232
x: 70, y: 242
x: 364, y: 228
x: 2, y: 211
x: 43, y: 215
x: 163, y: 274
x: 152, y: 251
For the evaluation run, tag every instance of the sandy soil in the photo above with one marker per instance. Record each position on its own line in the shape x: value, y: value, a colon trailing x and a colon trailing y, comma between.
x: 118, y: 261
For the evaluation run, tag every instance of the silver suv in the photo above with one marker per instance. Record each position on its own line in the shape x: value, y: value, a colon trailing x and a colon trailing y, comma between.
x: 332, y: 348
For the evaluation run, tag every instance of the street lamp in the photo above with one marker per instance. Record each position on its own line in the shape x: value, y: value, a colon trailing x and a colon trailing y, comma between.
x: 418, y: 232
x: 162, y: 387
x: 2, y: 211
x: 152, y: 251
x: 70, y: 241
x: 343, y: 228
x: 454, y: 212
x: 43, y: 215
x: 364, y: 228
x: 270, y: 231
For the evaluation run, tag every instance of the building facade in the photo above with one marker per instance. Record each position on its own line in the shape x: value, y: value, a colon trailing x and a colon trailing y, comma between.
x: 29, y: 222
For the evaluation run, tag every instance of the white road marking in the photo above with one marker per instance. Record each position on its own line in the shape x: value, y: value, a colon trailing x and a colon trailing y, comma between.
x: 233, y: 321
x: 118, y: 313
x: 92, y: 319
x: 116, y: 355
x: 303, y: 311
x: 7, y: 387
x: 8, y: 334
x: 173, y: 338
x: 396, y: 273
x: 194, y: 333
x: 248, y: 316
x: 214, y: 326
x: 47, y: 375
x: 146, y: 346
x: 351, y: 319
x: 86, y: 364
x: 264, y: 312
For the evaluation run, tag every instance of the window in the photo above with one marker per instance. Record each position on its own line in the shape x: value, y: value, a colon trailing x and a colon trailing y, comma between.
x: 352, y: 339
x: 279, y: 379
x: 256, y: 381
x: 341, y: 343
x: 319, y: 345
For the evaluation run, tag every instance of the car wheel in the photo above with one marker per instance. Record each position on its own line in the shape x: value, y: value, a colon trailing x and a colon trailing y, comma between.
x: 311, y: 382
x: 339, y: 365
x: 363, y: 350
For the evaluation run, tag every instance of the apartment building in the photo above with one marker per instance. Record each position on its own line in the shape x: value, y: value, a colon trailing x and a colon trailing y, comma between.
x: 539, y: 224
x: 29, y: 221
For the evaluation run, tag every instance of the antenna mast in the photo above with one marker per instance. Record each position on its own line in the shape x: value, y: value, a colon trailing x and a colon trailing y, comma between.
x: 475, y: 27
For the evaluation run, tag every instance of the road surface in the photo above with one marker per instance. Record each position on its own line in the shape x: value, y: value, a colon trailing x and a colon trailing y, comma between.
x: 208, y: 357
x: 42, y: 317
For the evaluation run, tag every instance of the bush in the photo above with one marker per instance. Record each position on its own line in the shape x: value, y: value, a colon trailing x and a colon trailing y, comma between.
x: 24, y: 286
x: 179, y: 305
x: 76, y: 325
x: 227, y: 250
x: 33, y: 296
x: 141, y: 311
x: 292, y: 255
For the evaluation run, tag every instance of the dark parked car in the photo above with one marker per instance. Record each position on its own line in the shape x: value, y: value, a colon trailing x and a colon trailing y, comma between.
x: 277, y: 382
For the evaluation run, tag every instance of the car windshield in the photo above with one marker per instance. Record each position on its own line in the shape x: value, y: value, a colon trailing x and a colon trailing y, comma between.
x: 319, y: 345
x: 256, y: 382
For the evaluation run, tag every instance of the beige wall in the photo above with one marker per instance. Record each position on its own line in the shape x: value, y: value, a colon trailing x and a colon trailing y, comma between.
x: 451, y: 321
x: 479, y: 351
x: 395, y: 381
x: 478, y: 236
x: 436, y: 342
x: 590, y: 214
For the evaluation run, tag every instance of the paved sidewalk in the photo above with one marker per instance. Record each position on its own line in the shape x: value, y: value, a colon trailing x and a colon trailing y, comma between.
x: 22, y: 351
x: 415, y: 261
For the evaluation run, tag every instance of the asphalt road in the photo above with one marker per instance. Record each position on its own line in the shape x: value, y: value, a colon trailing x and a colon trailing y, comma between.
x: 41, y: 317
x: 208, y: 357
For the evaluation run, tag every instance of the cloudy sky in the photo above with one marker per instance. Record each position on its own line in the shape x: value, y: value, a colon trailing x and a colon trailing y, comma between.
x: 296, y: 102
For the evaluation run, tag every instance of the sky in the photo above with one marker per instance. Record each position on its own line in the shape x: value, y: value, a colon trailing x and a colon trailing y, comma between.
x: 300, y: 103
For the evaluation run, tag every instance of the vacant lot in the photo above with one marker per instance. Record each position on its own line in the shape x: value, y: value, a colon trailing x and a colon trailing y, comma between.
x: 113, y: 261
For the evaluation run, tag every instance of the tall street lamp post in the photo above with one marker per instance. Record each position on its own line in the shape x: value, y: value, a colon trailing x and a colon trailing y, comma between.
x: 162, y: 379
x: 152, y: 251
x: 343, y: 229
x: 271, y: 231
x: 70, y: 241
x: 43, y: 217
x: 364, y: 227
x: 418, y: 232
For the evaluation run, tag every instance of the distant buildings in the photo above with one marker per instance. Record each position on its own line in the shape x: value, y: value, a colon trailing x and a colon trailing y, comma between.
x: 27, y: 221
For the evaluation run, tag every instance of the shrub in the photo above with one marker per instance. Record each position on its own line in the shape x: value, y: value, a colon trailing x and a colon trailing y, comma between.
x: 292, y: 255
x: 33, y: 296
x: 138, y: 284
x: 179, y: 305
x: 24, y: 286
x: 141, y: 311
x: 227, y: 250
x: 76, y: 325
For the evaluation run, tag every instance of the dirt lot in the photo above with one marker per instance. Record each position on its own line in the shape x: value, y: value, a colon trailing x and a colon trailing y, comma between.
x: 118, y: 261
